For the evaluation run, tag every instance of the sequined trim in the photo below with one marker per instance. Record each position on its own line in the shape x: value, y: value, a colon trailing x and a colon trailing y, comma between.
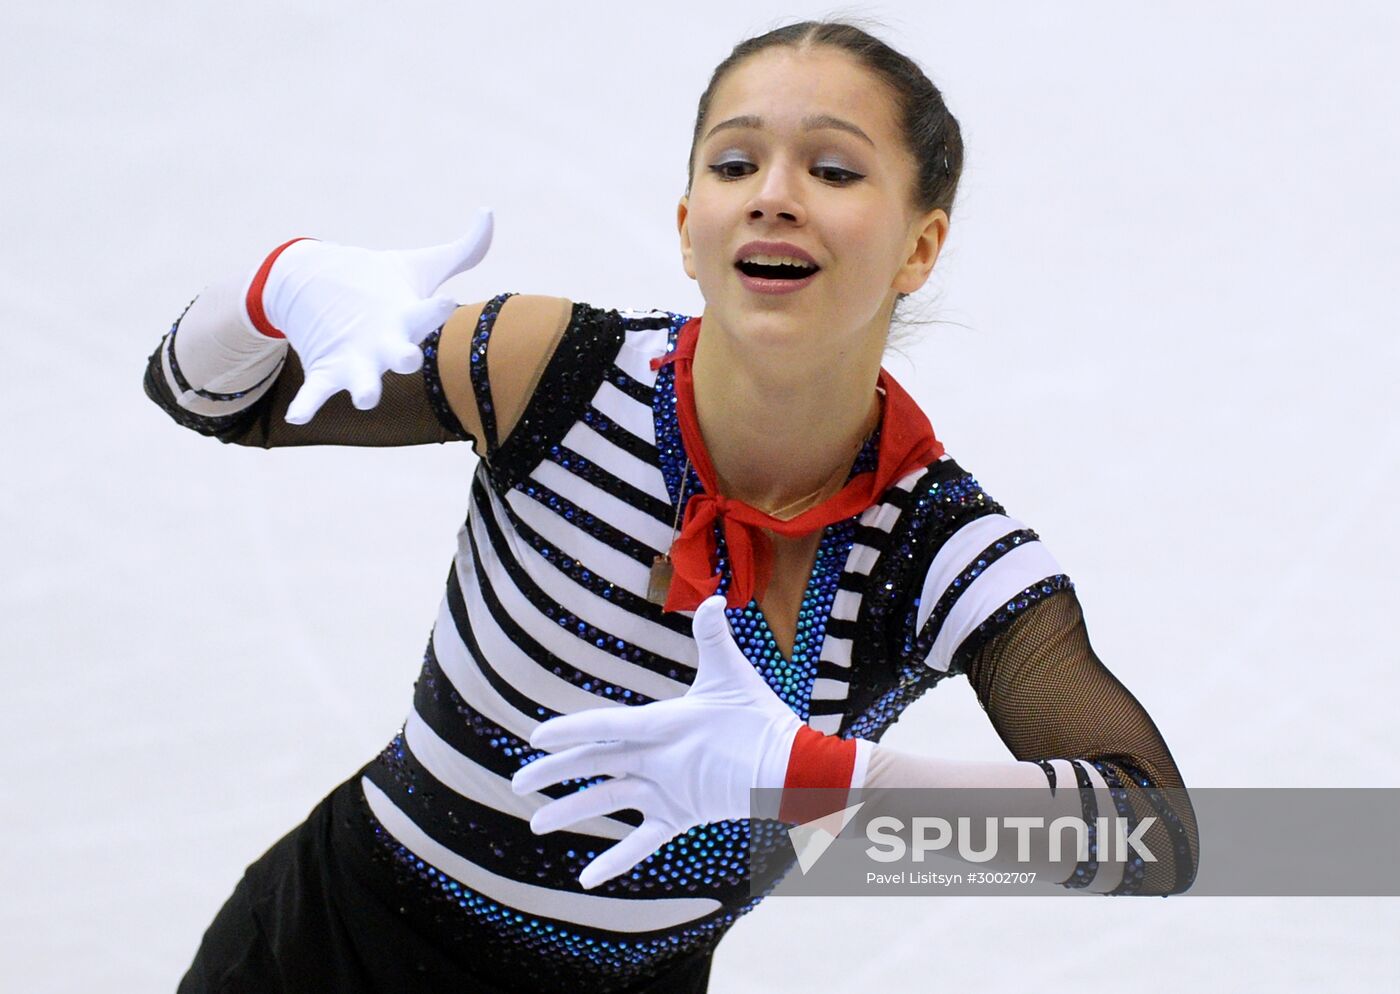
x: 1133, y: 870
x: 949, y: 598
x: 570, y: 380
x: 872, y: 720
x: 432, y: 386
x: 1181, y: 845
x: 711, y: 860
x: 544, y: 953
x: 1085, y: 871
x: 224, y: 427
x: 480, y: 378
x: 1013, y: 608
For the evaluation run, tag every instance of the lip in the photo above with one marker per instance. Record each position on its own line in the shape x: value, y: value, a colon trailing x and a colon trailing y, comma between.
x: 773, y: 248
x: 758, y: 285
x: 772, y: 286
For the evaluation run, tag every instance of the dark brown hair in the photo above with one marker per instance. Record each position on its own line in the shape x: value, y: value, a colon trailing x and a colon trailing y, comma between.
x: 931, y: 133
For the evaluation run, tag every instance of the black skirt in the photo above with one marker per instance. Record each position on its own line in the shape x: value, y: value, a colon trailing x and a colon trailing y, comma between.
x: 310, y: 916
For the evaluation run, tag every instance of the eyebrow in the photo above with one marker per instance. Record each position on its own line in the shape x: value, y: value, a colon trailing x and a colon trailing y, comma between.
x: 811, y: 122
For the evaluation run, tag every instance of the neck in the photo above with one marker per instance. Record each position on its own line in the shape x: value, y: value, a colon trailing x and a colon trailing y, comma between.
x: 785, y: 426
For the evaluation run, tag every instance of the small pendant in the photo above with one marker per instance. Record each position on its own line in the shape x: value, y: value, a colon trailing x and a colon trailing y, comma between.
x: 659, y: 583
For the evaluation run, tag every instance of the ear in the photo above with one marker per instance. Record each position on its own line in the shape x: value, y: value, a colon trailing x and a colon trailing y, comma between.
x: 929, y: 234
x: 687, y: 256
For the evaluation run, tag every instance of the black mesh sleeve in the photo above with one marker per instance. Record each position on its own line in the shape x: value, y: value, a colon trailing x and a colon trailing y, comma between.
x: 411, y: 411
x: 1050, y: 697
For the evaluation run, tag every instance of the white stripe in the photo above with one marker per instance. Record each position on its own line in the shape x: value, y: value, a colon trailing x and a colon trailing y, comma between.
x: 563, y: 643
x: 602, y: 559
x: 862, y: 559
x: 476, y: 783
x: 828, y: 724
x: 617, y: 461
x: 957, y: 553
x: 997, y: 584
x: 1064, y: 774
x: 514, y: 665
x: 827, y: 689
x: 881, y: 516
x: 559, y: 641
x: 639, y: 348
x: 845, y: 606
x: 622, y: 410
x: 461, y: 670
x: 616, y: 914
x: 836, y: 650
x: 601, y: 504
x: 588, y: 606
x: 907, y: 481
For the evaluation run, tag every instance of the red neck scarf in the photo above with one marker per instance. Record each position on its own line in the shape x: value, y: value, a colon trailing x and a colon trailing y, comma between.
x: 906, y: 444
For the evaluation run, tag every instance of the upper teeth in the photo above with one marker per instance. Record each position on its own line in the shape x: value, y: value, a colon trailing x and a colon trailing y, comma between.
x: 776, y: 260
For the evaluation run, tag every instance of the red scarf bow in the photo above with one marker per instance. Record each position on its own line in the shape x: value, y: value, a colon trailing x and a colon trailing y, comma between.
x: 907, y: 443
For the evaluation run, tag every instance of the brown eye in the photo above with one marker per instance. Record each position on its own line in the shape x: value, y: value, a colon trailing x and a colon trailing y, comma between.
x: 732, y: 169
x: 837, y: 175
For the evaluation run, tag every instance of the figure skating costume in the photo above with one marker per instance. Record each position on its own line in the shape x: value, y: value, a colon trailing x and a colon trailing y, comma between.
x: 546, y: 613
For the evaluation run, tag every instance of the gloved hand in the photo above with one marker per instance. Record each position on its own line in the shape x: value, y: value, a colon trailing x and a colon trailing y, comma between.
x: 353, y: 314
x: 681, y: 762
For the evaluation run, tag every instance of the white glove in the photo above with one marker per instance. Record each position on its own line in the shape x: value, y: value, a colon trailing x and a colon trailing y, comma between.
x: 353, y: 314
x: 681, y: 762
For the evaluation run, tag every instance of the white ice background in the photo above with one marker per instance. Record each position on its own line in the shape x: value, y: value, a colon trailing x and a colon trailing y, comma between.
x: 1166, y: 339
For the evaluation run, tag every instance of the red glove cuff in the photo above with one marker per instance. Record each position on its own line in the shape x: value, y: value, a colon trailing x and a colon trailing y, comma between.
x: 254, y: 301
x: 819, y: 774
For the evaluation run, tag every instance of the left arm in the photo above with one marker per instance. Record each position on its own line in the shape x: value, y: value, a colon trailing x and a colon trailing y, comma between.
x: 1074, y: 729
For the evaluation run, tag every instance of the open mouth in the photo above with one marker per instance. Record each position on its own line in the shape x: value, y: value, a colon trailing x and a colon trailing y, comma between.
x: 776, y: 271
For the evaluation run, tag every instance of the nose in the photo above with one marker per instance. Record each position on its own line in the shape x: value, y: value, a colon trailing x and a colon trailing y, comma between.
x: 777, y: 196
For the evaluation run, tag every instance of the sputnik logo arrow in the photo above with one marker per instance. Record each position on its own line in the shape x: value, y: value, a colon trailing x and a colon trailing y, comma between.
x: 812, y: 839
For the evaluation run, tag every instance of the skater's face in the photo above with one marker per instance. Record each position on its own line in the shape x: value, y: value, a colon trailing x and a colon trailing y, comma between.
x: 803, y: 148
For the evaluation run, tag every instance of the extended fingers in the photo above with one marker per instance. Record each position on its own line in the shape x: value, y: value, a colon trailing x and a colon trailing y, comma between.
x: 403, y: 358
x: 722, y: 667
x: 591, y: 802
x: 430, y: 267
x: 612, y: 759
x: 318, y: 388
x: 365, y: 384
x: 639, y: 844
x: 611, y: 723
x: 710, y: 626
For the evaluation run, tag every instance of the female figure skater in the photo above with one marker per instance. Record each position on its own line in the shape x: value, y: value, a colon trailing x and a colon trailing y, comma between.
x: 754, y: 466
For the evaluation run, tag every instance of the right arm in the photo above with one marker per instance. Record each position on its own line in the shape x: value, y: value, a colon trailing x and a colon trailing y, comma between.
x: 217, y: 373
x: 214, y: 376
